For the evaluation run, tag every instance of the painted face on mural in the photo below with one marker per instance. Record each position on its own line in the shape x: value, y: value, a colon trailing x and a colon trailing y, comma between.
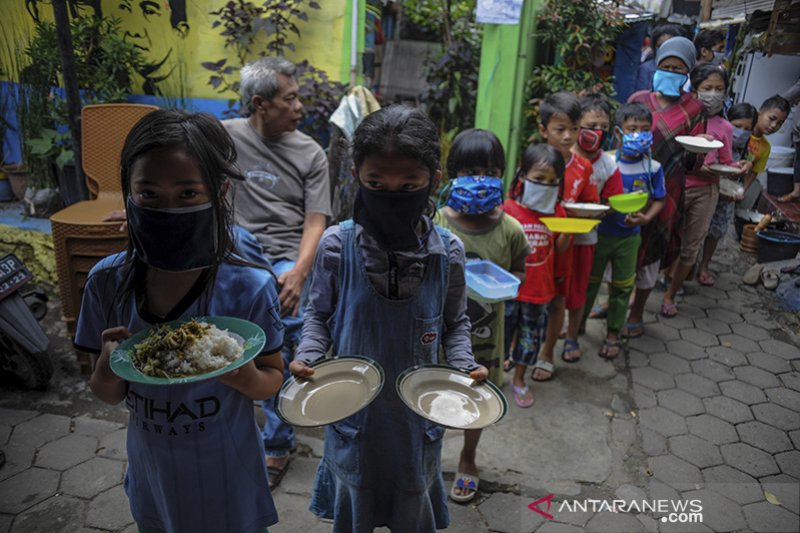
x: 152, y: 27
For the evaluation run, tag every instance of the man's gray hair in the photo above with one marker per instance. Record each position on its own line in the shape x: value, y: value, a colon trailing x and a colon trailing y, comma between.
x: 261, y: 78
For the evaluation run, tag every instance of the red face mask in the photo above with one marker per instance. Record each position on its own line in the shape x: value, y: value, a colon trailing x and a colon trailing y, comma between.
x: 590, y: 140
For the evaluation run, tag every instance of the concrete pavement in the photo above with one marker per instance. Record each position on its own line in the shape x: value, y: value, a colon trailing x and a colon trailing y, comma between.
x: 705, y: 407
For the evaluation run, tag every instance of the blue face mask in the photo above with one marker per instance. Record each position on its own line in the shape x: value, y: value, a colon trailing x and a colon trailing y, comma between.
x: 669, y: 83
x: 636, y: 145
x: 474, y: 195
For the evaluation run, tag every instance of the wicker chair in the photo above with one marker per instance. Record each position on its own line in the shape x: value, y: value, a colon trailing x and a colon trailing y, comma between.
x: 80, y: 238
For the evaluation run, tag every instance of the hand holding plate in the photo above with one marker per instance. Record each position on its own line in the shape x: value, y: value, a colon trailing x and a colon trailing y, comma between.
x: 479, y: 373
x: 300, y: 369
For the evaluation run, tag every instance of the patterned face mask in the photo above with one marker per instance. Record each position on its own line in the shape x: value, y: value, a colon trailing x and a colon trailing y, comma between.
x: 474, y: 195
x: 636, y: 145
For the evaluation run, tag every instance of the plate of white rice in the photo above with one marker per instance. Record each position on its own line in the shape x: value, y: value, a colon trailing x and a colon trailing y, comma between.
x: 187, y: 350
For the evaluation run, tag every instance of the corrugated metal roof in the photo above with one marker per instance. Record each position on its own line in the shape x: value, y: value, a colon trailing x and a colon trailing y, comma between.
x: 728, y: 9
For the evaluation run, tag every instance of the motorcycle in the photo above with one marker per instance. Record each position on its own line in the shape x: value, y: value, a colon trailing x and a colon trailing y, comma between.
x: 23, y: 343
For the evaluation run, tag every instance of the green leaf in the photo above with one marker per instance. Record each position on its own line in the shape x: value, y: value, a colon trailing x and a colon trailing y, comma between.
x: 66, y: 156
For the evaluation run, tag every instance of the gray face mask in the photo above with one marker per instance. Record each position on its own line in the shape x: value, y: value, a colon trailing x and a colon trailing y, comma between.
x: 540, y: 197
x: 712, y: 100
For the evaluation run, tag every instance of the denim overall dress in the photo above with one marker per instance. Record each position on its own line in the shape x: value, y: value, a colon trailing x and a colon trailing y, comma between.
x: 381, y: 466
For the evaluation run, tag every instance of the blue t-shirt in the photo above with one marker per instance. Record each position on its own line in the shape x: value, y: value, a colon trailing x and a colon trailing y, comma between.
x: 641, y: 175
x: 195, y: 455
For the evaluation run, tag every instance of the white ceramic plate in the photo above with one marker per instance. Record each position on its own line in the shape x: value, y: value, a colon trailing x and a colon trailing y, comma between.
x: 698, y: 145
x: 724, y: 169
x: 586, y: 210
x: 449, y: 397
x: 339, y: 388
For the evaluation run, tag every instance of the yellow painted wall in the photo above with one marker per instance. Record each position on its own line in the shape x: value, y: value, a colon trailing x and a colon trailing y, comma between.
x: 177, y: 53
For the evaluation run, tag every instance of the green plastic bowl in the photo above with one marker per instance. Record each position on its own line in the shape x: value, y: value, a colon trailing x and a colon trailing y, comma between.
x: 629, y: 202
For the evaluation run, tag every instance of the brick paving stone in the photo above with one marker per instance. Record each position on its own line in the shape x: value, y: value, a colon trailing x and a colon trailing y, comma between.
x: 66, y: 452
x: 780, y: 348
x: 691, y: 311
x: 508, y: 512
x: 719, y: 513
x: 92, y: 477
x: 744, y: 392
x: 681, y: 402
x: 715, y: 293
x: 791, y: 380
x: 775, y: 415
x: 652, y: 378
x: 695, y: 450
x: 662, y: 421
x: 739, y: 343
x: 114, y: 445
x: 109, y: 510
x: 763, y: 516
x: 646, y: 344
x: 676, y: 322
x: 59, y: 514
x: 764, y: 437
x: 663, y: 332
x: 12, y: 417
x: 733, y: 484
x: 653, y: 443
x: 785, y: 397
x: 462, y: 518
x: 5, y: 522
x: 671, y: 364
x: 658, y: 490
x: 785, y: 488
x: 650, y: 525
x: 40, y: 430
x: 713, y: 326
x: 749, y: 460
x: 614, y: 523
x: 27, y: 489
x: 644, y: 397
x: 5, y: 433
x: 623, y: 432
x: 701, y: 301
x: 754, y: 333
x: 92, y: 427
x: 557, y: 527
x: 677, y: 527
x: 726, y: 356
x: 769, y: 362
x: 576, y: 517
x: 789, y: 463
x: 697, y: 385
x: 675, y: 472
x: 18, y: 458
x: 728, y: 409
x: 686, y: 350
x: 712, y: 370
x: 712, y: 429
x: 637, y: 359
x: 795, y: 436
x: 700, y: 338
x: 723, y: 315
x: 756, y: 376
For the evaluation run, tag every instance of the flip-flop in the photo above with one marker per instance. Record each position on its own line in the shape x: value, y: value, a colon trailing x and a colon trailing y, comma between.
x: 607, y: 345
x: 705, y: 279
x: 770, y: 279
x: 570, y: 346
x: 753, y: 274
x: 464, y: 481
x: 275, y: 474
x: 669, y: 310
x: 635, y: 326
x: 598, y: 311
x: 792, y: 269
x: 508, y: 364
x: 547, y: 366
x: 520, y: 396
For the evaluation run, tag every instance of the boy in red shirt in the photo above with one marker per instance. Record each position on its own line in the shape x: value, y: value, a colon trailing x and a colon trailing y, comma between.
x: 560, y: 115
x: 534, y: 194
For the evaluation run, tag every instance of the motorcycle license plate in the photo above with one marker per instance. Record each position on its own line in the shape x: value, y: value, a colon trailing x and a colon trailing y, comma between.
x: 13, y: 275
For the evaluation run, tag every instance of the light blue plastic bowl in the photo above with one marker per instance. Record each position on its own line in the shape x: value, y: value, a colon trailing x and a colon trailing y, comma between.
x: 487, y: 282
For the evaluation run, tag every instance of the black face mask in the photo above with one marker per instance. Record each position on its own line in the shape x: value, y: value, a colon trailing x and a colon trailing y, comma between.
x: 391, y: 218
x: 176, y: 239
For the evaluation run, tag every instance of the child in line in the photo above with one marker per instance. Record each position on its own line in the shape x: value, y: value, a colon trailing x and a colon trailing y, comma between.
x: 742, y: 117
x: 701, y: 191
x: 620, y: 235
x: 771, y: 115
x: 595, y: 122
x: 534, y: 194
x: 194, y: 442
x: 387, y: 285
x: 475, y: 166
x: 560, y: 114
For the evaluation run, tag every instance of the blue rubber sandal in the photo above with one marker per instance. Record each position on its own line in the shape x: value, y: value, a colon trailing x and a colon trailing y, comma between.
x: 570, y: 346
x: 636, y: 327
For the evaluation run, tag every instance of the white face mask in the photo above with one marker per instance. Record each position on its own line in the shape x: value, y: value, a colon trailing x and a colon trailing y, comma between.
x: 540, y: 197
x: 712, y: 100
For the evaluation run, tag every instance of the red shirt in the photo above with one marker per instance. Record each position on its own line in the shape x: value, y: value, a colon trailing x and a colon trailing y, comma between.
x: 539, y: 286
x: 577, y: 186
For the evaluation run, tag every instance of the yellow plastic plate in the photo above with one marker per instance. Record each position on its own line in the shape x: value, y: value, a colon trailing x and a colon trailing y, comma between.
x: 629, y: 202
x: 569, y: 225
